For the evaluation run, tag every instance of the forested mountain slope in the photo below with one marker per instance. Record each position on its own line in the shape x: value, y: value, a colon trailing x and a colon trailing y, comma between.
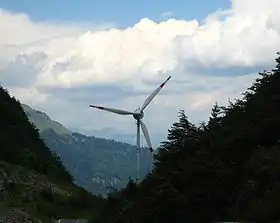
x: 97, y: 164
x: 33, y: 182
x: 224, y: 170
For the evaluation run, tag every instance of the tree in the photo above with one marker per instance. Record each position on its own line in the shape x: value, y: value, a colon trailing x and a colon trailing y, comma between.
x: 227, y: 170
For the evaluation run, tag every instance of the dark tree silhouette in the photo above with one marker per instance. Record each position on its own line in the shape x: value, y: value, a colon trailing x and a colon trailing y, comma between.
x: 225, y: 170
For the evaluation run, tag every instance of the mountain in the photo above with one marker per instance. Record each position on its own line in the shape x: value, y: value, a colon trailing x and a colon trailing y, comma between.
x: 226, y: 169
x: 97, y: 164
x: 113, y: 133
x: 34, y: 185
x: 43, y: 122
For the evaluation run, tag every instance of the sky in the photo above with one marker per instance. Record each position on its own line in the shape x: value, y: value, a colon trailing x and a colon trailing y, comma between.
x: 121, y: 13
x: 61, y: 56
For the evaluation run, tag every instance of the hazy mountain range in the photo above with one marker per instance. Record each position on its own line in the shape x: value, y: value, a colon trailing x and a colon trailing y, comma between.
x: 97, y: 164
x: 113, y: 133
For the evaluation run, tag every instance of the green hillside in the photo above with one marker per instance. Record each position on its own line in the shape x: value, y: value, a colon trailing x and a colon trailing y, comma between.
x: 43, y: 122
x: 97, y: 164
x: 33, y: 182
x: 224, y: 170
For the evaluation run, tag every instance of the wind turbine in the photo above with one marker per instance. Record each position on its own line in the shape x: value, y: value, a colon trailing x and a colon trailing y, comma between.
x: 137, y: 114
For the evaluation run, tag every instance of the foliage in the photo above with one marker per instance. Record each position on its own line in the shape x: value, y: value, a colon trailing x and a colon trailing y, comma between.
x: 21, y: 144
x: 33, y: 180
x: 225, y: 170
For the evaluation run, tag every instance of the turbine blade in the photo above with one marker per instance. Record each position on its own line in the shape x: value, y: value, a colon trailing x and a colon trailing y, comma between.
x: 146, y: 134
x: 150, y: 98
x: 114, y: 110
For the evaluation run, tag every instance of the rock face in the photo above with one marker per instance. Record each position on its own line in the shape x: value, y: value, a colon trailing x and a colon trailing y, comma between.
x: 15, y: 178
x: 19, y: 186
x: 18, y: 216
x: 72, y: 221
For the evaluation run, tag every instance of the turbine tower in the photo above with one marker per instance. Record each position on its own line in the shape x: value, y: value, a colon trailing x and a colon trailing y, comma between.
x: 137, y: 114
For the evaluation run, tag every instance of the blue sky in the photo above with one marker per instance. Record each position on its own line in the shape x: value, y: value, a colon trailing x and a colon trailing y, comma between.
x: 122, y: 12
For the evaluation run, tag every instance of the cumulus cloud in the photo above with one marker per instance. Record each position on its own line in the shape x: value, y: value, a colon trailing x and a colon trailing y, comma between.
x: 61, y: 68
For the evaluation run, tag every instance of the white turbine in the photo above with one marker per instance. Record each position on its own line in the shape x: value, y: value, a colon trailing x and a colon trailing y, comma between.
x: 138, y: 114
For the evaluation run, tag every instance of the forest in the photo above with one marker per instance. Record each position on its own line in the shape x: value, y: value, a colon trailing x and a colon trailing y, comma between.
x: 225, y: 169
x: 34, y: 184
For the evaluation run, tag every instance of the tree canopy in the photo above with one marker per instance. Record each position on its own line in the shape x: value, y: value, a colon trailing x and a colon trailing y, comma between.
x: 224, y: 170
x: 21, y: 144
x: 33, y: 180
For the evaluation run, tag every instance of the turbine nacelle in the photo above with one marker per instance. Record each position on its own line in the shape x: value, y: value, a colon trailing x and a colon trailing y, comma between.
x: 138, y: 114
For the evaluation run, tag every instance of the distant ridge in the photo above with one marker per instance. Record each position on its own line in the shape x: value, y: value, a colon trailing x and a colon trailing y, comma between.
x: 97, y: 164
x: 43, y: 122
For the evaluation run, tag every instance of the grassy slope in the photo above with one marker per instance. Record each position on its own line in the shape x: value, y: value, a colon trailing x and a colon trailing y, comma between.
x: 43, y: 122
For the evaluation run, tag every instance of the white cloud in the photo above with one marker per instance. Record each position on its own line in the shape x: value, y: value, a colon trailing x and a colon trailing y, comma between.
x: 30, y: 96
x: 41, y: 60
